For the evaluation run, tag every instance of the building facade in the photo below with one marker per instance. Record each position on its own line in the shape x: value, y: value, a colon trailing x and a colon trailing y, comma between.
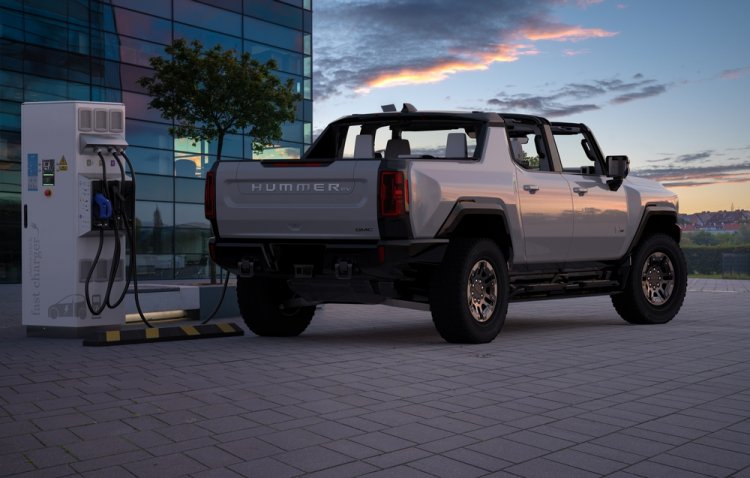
x: 92, y: 50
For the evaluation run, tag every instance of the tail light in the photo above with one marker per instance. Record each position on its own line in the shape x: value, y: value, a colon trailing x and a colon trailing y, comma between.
x: 209, y: 196
x: 393, y: 197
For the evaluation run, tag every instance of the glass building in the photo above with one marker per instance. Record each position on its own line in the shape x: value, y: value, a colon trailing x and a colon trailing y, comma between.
x: 91, y: 50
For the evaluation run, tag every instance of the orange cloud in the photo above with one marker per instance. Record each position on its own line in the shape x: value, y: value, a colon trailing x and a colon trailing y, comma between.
x: 565, y: 33
x: 481, y: 61
x: 440, y: 71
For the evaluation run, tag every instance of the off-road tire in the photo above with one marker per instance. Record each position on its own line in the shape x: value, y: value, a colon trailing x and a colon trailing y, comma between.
x: 260, y: 302
x: 453, y: 298
x: 656, y: 285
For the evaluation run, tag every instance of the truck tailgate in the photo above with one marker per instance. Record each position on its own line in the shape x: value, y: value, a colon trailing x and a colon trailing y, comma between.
x: 336, y: 200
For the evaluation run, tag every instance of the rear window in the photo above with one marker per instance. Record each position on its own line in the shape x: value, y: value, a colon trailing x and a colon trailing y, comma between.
x: 399, y: 139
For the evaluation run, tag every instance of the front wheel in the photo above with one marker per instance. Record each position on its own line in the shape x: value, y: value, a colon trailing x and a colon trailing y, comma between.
x: 656, y: 286
x: 469, y: 292
x: 261, y: 303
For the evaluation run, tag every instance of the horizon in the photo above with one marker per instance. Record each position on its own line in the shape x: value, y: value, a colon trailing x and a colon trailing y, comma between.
x: 674, y: 77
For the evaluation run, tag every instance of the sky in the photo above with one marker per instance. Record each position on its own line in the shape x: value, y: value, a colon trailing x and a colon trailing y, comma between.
x: 665, y: 82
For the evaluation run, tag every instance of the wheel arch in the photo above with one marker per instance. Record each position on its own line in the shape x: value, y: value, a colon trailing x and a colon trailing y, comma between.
x: 657, y: 220
x: 479, y: 217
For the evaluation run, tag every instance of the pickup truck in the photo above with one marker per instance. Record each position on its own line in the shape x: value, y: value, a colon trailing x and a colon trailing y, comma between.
x: 457, y: 213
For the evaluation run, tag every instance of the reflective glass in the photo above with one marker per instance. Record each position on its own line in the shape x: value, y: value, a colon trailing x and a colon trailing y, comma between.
x: 293, y: 131
x: 136, y: 107
x: 154, y: 214
x: 10, y: 115
x: 190, y: 216
x: 10, y: 239
x: 10, y: 177
x: 138, y: 52
x: 307, y: 26
x: 162, y: 8
x: 275, y: 12
x: 11, y: 24
x: 286, y: 60
x: 105, y: 45
x: 74, y: 11
x: 189, y: 190
x: 48, y: 89
x: 207, y: 38
x: 99, y: 93
x: 153, y: 188
x: 11, y: 86
x: 130, y: 74
x: 276, y: 35
x: 233, y: 5
x: 206, y: 16
x: 148, y: 160
x: 56, y: 64
x: 151, y: 135
x: 11, y: 53
x: 146, y: 27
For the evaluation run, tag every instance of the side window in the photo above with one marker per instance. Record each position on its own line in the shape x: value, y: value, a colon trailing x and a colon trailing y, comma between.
x: 529, y: 151
x: 573, y: 156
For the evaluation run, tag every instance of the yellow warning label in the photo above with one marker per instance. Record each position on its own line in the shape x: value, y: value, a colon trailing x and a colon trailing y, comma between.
x: 152, y: 333
x: 113, y: 336
x: 63, y: 164
x: 190, y: 330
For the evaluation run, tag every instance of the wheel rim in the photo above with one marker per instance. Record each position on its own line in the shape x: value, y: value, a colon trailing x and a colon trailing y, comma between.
x: 657, y: 278
x: 481, y: 291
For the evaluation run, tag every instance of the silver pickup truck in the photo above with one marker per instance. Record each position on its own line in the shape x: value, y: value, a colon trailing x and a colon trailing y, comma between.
x: 453, y: 212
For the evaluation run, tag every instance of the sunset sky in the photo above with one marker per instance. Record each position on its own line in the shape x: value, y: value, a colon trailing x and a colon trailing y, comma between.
x: 665, y: 82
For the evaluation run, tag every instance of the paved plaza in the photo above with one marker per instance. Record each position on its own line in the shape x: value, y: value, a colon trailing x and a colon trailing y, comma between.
x: 567, y: 389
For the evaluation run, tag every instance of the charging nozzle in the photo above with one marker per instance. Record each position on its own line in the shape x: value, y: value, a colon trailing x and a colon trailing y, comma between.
x: 104, y: 205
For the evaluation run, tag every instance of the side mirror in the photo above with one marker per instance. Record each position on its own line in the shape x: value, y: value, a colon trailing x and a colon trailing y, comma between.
x: 617, y: 166
x: 617, y: 169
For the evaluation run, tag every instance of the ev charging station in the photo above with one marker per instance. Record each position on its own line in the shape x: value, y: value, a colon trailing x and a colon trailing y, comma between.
x: 77, y: 209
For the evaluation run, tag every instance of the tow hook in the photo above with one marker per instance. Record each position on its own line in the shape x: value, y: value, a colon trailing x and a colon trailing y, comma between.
x: 246, y: 268
x: 343, y: 270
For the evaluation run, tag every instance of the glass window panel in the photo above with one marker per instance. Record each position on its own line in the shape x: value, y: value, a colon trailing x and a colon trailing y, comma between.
x: 189, y: 190
x: 276, y: 35
x: 56, y: 64
x: 151, y: 135
x: 48, y: 89
x: 296, y: 3
x: 282, y: 150
x: 12, y: 55
x: 293, y: 131
x: 232, y: 146
x: 207, y: 38
x: 105, y: 45
x: 11, y: 86
x: 307, y: 24
x: 142, y: 26
x: 136, y: 106
x: 152, y: 214
x: 138, y: 52
x: 130, y: 74
x: 206, y: 16
x: 307, y: 68
x: 307, y: 4
x: 10, y: 145
x: 148, y: 160
x: 308, y: 44
x: 10, y: 121
x: 233, y: 5
x: 102, y: 16
x: 190, y: 216
x: 192, y: 266
x: 151, y: 187
x: 286, y: 60
x: 99, y: 93
x: 11, y: 24
x: 46, y: 32
x: 308, y: 110
x: 162, y: 8
x: 71, y: 10
x: 308, y: 133
x: 275, y: 12
x: 10, y: 178
x: 307, y: 89
x: 12, y: 4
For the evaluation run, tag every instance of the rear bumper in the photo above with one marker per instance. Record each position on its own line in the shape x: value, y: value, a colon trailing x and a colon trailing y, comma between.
x: 382, y: 260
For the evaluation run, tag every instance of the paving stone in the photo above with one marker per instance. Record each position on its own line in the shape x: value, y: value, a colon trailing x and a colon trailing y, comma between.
x: 507, y: 450
x: 165, y: 466
x: 543, y: 468
x: 265, y: 467
x: 586, y: 461
x: 712, y: 455
x: 446, y: 467
x: 314, y: 458
x: 650, y: 468
x: 399, y: 457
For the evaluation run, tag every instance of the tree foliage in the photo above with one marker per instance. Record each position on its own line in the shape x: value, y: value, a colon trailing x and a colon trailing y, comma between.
x: 213, y: 92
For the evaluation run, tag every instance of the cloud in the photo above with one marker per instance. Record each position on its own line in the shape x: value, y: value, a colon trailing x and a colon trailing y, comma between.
x: 689, y: 158
x: 558, y: 102
x: 645, y: 92
x: 735, y: 73
x: 698, y: 176
x: 365, y: 44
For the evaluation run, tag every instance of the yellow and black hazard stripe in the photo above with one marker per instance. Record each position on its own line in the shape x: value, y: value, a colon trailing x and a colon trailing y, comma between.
x: 162, y: 334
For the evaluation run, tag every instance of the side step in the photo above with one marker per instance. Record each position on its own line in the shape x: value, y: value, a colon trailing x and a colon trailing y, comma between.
x: 163, y: 334
x: 561, y: 288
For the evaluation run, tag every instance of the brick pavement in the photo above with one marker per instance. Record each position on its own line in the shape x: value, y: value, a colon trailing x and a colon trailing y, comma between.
x: 567, y: 389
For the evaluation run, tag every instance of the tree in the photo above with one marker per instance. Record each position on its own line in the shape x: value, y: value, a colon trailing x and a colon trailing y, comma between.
x: 704, y: 238
x: 211, y: 93
x: 215, y: 92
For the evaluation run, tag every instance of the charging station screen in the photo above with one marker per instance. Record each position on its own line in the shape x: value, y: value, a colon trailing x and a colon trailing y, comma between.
x: 48, y: 172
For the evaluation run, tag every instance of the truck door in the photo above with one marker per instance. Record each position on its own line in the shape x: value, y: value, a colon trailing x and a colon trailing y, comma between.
x: 544, y: 199
x: 599, y: 214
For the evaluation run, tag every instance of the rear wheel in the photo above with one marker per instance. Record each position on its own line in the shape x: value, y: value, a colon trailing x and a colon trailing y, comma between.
x: 656, y: 287
x: 469, y: 292
x: 261, y: 303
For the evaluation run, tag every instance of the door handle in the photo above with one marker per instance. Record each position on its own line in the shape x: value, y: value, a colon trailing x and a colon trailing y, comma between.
x: 531, y: 188
x: 580, y: 191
